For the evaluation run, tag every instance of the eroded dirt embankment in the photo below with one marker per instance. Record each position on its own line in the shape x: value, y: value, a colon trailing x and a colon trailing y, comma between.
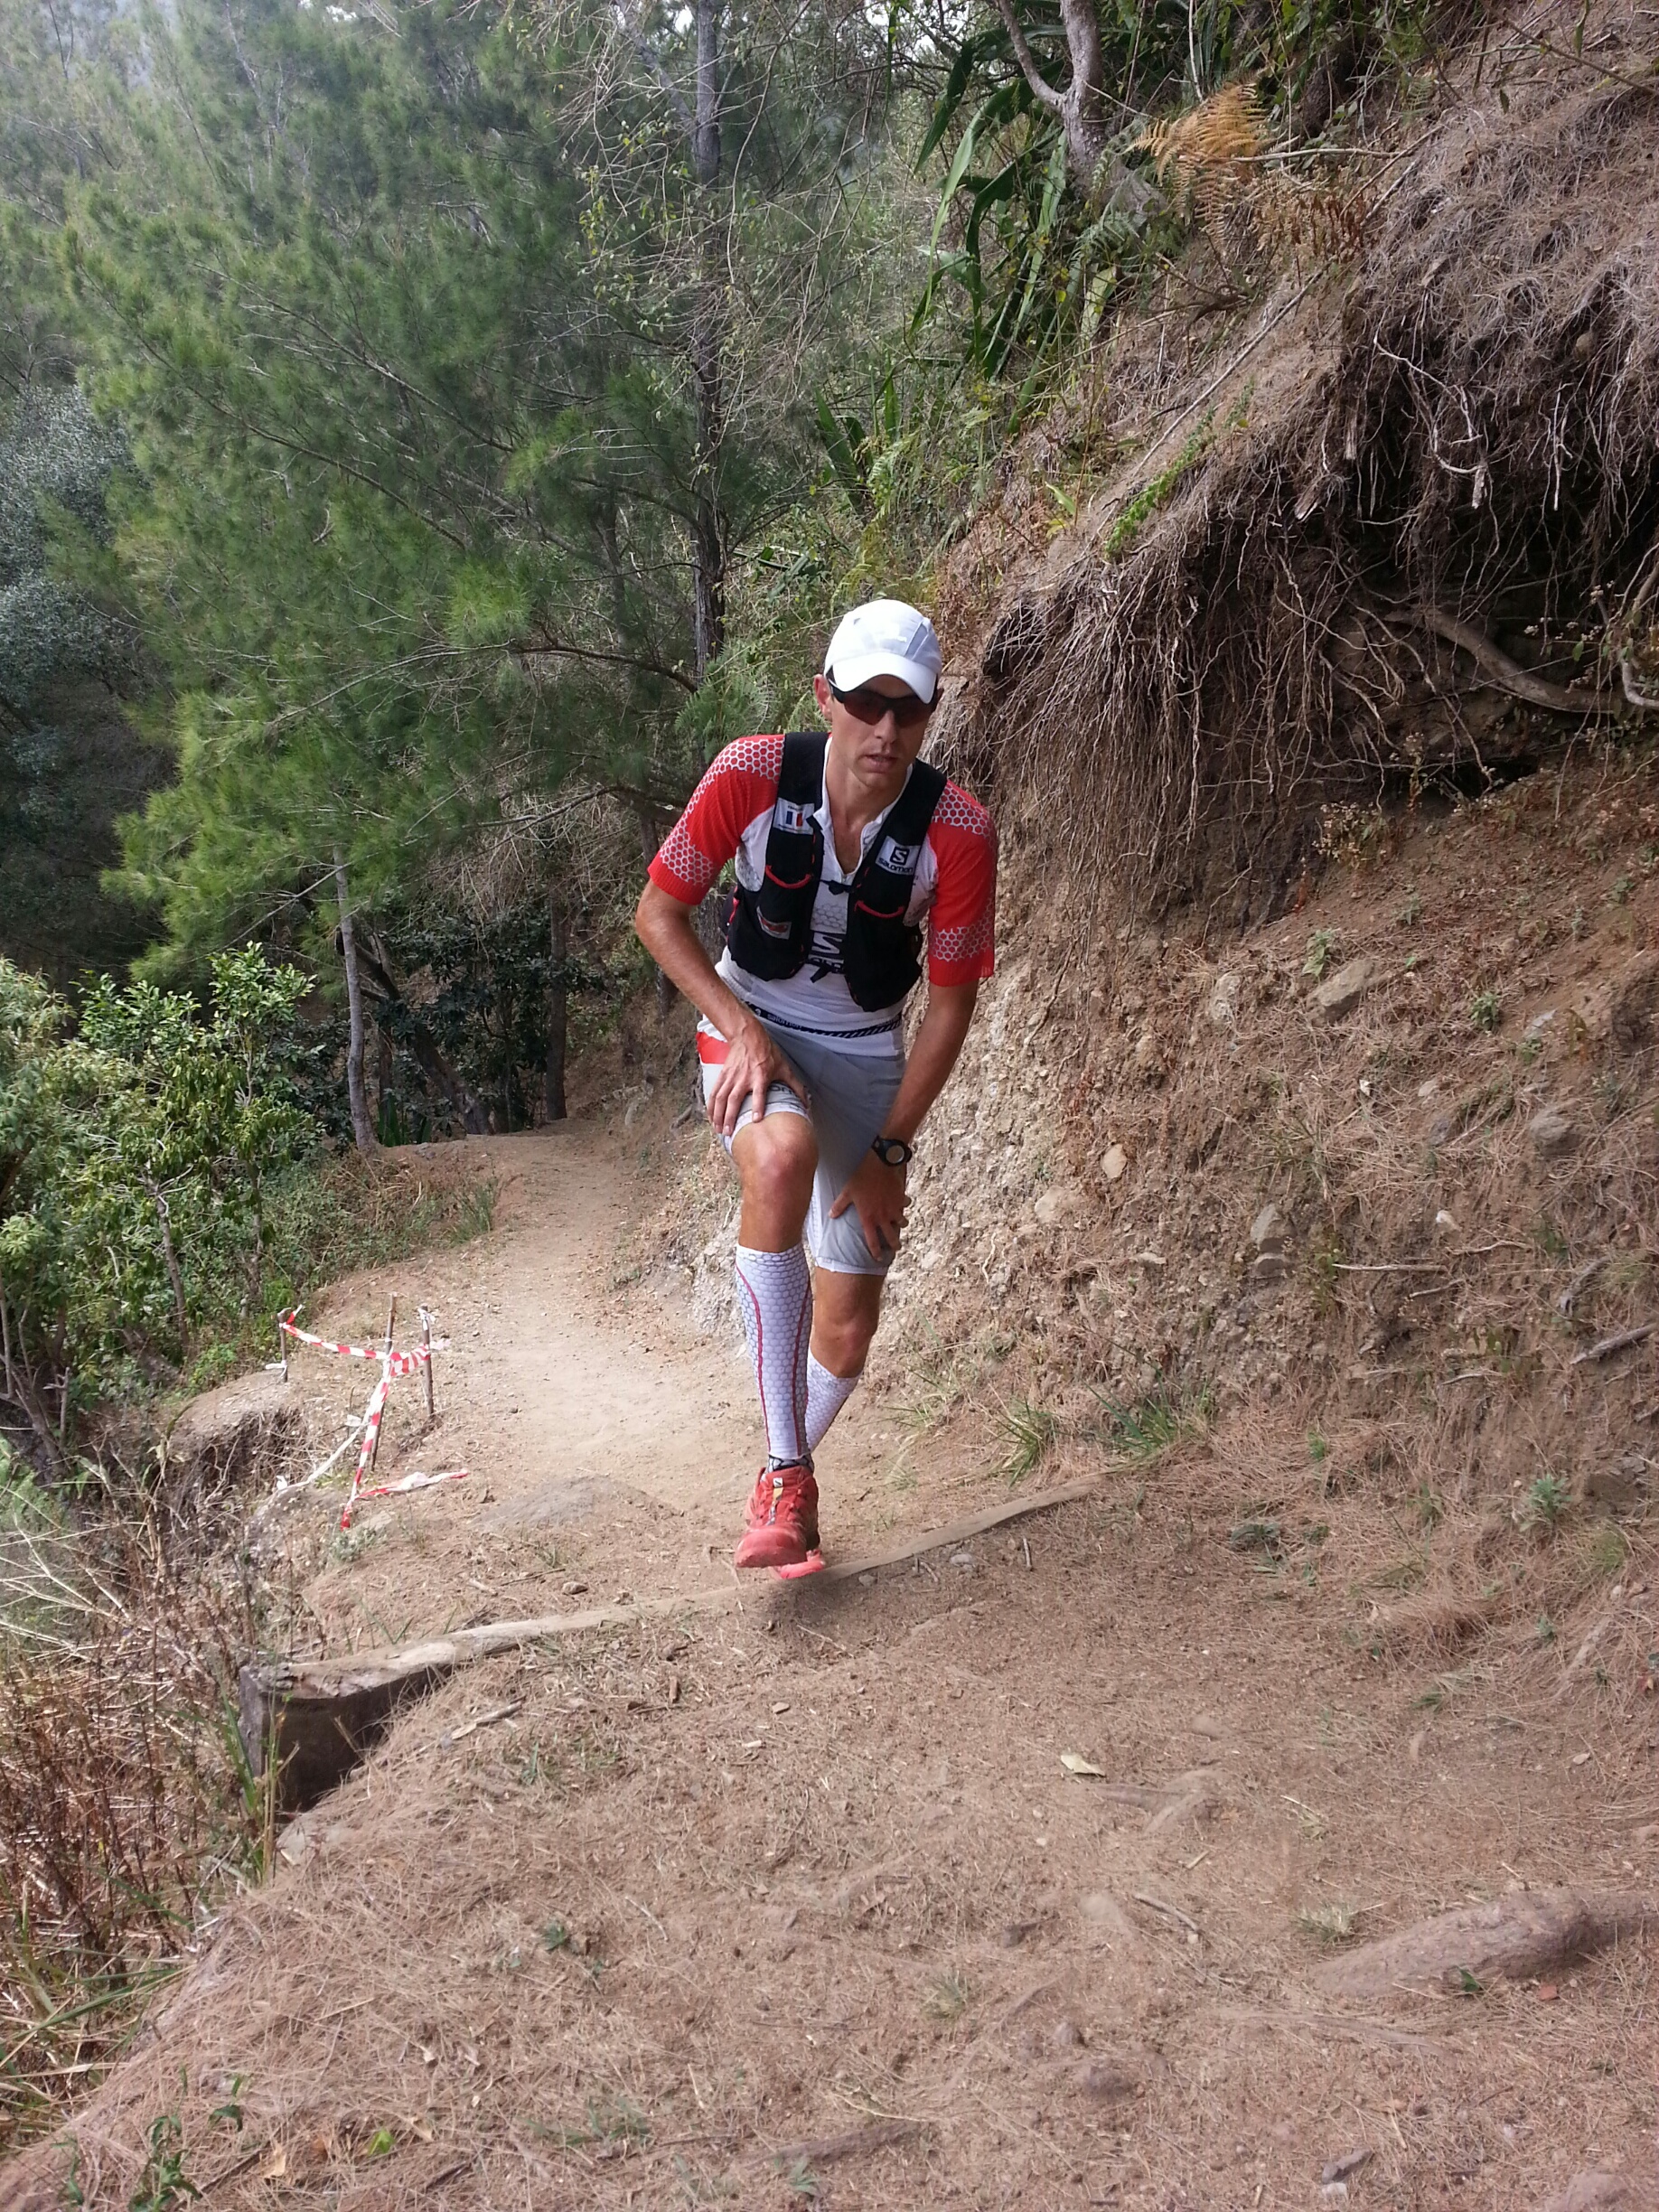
x: 803, y: 1895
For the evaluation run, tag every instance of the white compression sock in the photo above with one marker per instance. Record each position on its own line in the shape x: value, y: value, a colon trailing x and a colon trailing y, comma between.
x: 774, y: 1290
x: 827, y: 1393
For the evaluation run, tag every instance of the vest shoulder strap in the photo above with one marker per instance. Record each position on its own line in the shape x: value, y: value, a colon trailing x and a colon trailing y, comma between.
x: 800, y: 779
x: 913, y: 808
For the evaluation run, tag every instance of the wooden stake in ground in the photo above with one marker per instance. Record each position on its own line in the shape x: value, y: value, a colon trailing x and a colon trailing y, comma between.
x: 425, y: 1376
x: 391, y: 1323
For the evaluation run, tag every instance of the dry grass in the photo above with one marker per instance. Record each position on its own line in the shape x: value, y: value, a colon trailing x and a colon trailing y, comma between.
x: 1330, y: 1924
x: 1465, y: 431
x: 1435, y: 1626
x: 125, y: 1803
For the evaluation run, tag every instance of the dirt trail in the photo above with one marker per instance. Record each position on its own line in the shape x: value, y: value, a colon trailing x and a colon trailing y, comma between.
x: 567, y: 1417
x: 611, y: 1444
x: 802, y: 1903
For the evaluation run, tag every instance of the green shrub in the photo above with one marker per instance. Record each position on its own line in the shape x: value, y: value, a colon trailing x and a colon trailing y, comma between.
x: 146, y: 1157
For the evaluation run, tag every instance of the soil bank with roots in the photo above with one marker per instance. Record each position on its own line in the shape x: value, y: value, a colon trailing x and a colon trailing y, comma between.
x: 1399, y: 517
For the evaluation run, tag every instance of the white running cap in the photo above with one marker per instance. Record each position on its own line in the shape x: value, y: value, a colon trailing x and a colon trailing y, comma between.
x: 885, y: 637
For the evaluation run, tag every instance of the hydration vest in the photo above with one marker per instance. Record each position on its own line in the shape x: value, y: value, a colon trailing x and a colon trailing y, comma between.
x: 769, y: 931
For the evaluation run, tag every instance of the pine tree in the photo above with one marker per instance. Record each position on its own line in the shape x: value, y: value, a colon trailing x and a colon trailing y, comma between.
x: 456, y: 364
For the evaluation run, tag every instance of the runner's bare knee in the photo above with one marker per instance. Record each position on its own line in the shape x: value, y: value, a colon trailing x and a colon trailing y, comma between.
x: 776, y: 1160
x: 842, y: 1345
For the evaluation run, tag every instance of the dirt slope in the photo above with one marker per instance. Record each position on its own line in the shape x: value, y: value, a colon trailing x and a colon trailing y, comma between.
x: 799, y: 1902
x: 627, y: 1946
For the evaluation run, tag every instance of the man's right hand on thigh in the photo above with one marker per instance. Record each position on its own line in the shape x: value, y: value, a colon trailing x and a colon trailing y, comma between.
x: 753, y: 1064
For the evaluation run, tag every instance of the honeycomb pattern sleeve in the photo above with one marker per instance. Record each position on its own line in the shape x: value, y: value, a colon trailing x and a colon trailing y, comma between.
x: 740, y: 785
x: 961, y: 924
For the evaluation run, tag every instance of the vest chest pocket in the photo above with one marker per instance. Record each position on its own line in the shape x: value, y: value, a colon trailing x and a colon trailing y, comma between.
x: 769, y: 930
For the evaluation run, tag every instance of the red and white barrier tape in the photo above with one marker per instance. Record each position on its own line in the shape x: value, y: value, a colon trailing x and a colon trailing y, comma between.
x: 401, y: 1363
x: 392, y: 1365
x: 413, y: 1482
x: 370, y: 1443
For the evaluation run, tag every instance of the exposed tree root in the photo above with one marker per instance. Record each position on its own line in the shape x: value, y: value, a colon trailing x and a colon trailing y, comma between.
x: 1500, y: 669
x: 1516, y: 1937
x: 856, y: 2143
x: 322, y: 1715
x: 1273, y: 616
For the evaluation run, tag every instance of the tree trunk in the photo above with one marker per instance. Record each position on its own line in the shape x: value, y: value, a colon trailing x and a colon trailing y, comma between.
x: 170, y: 1258
x: 20, y: 1386
x: 1085, y: 112
x: 384, y: 1075
x: 558, y: 1005
x: 363, y: 1128
x: 439, y: 1072
x: 708, y: 340
x: 1081, y: 106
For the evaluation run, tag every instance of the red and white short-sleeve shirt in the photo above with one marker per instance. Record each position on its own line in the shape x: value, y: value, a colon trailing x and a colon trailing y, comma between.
x: 729, y: 818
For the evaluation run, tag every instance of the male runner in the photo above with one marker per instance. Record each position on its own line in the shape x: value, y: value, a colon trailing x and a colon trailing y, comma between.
x: 841, y: 848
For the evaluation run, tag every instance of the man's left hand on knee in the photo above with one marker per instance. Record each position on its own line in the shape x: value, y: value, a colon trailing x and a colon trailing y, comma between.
x: 878, y: 1193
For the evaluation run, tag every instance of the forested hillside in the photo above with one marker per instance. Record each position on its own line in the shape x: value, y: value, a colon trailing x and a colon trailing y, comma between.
x: 489, y: 409
x: 429, y: 436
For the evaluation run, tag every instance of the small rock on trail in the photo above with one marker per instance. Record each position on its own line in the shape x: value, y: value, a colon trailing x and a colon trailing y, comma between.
x: 1633, y: 999
x: 1224, y: 1006
x: 1266, y: 1231
x: 1343, y: 2169
x: 1101, y: 2083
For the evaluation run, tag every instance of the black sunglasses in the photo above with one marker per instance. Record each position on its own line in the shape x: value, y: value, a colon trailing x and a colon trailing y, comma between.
x: 866, y: 705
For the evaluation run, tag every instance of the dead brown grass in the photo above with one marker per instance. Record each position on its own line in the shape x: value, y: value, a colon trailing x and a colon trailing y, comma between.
x: 1459, y: 431
x: 1435, y: 1626
x: 125, y: 1803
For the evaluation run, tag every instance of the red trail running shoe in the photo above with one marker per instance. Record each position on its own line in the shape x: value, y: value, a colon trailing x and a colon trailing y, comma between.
x: 782, y: 1527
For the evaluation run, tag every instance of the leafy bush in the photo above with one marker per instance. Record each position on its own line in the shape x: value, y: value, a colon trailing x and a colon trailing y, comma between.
x: 136, y: 1157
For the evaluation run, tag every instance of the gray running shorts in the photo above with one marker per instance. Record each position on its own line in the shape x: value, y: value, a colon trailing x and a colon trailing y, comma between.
x: 851, y: 1095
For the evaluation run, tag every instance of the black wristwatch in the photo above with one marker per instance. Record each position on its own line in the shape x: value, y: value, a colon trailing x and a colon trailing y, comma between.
x: 893, y: 1151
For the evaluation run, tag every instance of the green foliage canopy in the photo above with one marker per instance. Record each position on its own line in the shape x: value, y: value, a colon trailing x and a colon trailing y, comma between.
x: 395, y: 311
x: 331, y: 286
